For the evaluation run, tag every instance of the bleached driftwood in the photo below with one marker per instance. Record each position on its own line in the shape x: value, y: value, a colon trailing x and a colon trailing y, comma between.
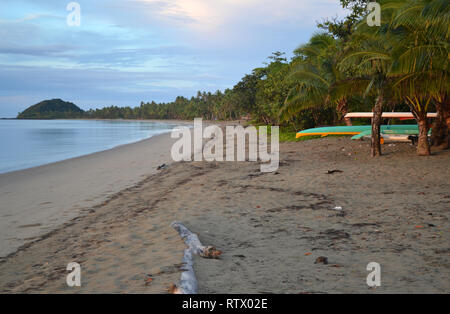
x: 188, y: 282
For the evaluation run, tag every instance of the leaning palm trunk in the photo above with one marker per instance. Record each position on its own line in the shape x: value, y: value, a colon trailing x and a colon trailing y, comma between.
x: 342, y: 107
x: 376, y: 123
x: 423, y: 146
x: 446, y: 115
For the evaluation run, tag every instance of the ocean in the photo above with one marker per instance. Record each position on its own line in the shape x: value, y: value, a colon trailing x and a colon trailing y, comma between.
x: 30, y: 143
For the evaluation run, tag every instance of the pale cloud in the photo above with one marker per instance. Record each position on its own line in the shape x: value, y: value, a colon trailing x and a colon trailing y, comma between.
x: 217, y: 25
x: 208, y: 15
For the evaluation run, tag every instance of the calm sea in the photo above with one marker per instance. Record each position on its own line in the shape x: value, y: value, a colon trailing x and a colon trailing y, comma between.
x: 30, y: 143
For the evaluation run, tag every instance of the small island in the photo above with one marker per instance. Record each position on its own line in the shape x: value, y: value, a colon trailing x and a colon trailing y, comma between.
x: 52, y: 109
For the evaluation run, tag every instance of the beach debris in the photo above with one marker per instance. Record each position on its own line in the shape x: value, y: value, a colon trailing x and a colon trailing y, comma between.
x: 148, y: 279
x: 162, y: 167
x: 334, y: 171
x: 174, y: 289
x: 339, y: 208
x: 188, y: 282
x: 321, y: 260
x: 308, y: 254
x: 210, y: 252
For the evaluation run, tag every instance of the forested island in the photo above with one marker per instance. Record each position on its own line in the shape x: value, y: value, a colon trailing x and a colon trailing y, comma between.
x: 52, y: 109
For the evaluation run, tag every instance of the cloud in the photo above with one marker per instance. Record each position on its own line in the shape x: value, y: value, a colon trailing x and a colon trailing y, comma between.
x: 50, y: 50
x: 207, y: 16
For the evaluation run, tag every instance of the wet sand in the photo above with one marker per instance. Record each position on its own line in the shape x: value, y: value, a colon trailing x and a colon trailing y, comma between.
x: 271, y: 227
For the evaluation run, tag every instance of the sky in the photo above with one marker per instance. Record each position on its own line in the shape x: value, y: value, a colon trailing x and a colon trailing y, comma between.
x: 128, y: 51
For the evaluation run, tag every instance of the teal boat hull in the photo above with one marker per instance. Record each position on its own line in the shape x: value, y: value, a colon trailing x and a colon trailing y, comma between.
x: 357, y: 129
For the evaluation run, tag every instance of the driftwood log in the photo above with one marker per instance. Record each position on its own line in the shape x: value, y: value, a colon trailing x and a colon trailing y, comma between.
x: 188, y: 282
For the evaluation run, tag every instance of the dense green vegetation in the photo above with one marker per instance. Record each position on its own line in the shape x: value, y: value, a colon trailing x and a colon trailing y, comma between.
x: 52, y: 109
x: 347, y: 65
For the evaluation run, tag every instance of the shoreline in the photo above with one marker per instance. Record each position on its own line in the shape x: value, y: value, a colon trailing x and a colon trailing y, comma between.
x: 180, y: 122
x: 37, y: 200
x: 81, y: 156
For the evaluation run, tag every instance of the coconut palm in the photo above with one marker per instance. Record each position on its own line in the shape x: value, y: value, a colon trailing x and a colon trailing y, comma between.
x: 369, y: 54
x: 422, y: 64
x: 406, y: 58
x: 314, y: 72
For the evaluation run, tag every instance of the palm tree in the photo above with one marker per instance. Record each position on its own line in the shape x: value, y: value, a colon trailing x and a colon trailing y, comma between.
x: 441, y: 126
x: 369, y: 54
x: 422, y: 64
x: 405, y: 60
x: 314, y: 72
x: 407, y: 57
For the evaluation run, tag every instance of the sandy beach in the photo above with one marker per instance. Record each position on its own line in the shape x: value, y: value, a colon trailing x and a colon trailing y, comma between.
x: 271, y: 227
x: 35, y: 201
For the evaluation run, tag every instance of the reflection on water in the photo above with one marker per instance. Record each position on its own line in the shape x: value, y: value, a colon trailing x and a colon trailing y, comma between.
x: 53, y: 137
x: 29, y: 143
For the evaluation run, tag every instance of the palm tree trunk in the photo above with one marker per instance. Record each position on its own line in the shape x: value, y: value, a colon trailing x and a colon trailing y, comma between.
x: 423, y: 147
x: 343, y: 109
x: 348, y: 121
x: 376, y: 123
x: 440, y: 130
x: 446, y: 115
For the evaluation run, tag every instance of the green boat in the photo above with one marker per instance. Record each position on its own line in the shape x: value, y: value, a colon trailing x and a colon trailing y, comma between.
x: 409, y: 129
x: 387, y: 132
